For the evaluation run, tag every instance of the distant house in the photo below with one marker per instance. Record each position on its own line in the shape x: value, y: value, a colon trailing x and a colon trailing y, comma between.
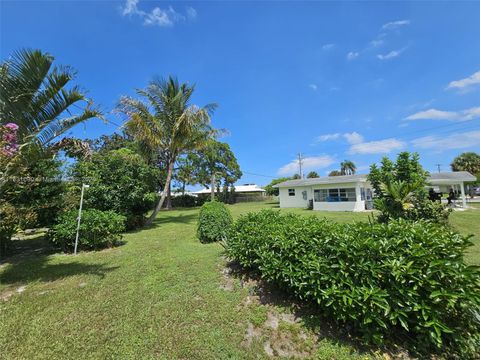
x: 244, y: 192
x: 354, y: 192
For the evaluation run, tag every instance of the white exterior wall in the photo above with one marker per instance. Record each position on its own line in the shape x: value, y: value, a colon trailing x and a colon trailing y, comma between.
x: 358, y: 205
x: 296, y: 201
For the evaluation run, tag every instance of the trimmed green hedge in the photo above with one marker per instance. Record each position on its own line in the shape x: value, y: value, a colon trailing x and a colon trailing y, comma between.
x: 98, y: 229
x: 403, y: 278
x: 214, y: 222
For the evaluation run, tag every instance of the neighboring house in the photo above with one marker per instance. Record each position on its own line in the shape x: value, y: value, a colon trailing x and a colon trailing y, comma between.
x: 353, y: 192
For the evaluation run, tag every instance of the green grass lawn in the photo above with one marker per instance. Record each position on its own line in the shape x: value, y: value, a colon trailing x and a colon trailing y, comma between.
x: 161, y: 295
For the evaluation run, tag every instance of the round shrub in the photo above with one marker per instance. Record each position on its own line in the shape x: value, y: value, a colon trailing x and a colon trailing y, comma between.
x: 214, y: 222
x: 98, y: 229
x: 404, y: 278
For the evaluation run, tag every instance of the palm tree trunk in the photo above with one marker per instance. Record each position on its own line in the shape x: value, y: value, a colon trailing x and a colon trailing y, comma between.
x: 164, y: 194
x: 169, y: 197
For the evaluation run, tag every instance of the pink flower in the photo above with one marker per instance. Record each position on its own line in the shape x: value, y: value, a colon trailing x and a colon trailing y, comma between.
x: 12, y: 126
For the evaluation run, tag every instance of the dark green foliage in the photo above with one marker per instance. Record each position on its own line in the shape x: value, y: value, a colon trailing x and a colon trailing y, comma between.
x: 36, y: 192
x: 400, y: 191
x: 312, y: 175
x: 8, y: 221
x: 271, y: 191
x: 214, y: 222
x: 184, y: 201
x: 119, y: 180
x: 98, y: 229
x: 406, y: 279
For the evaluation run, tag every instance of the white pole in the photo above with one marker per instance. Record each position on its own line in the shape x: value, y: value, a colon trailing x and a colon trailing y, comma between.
x: 79, y: 217
x: 462, y: 189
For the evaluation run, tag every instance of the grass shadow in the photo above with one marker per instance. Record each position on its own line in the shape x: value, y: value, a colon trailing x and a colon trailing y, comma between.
x: 39, y: 270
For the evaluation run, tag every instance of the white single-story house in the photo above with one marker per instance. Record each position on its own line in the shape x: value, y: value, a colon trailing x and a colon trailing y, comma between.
x: 353, y: 192
x: 247, y: 189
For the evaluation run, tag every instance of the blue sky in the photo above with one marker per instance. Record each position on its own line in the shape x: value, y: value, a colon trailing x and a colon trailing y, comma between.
x: 333, y: 81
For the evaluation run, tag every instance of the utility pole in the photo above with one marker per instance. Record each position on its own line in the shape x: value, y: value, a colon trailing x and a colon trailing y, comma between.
x: 300, y: 163
x: 438, y: 167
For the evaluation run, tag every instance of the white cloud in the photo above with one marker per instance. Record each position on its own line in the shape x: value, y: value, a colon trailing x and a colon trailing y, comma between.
x: 328, y: 137
x: 327, y: 47
x: 395, y: 24
x: 314, y: 87
x: 157, y: 16
x: 352, y: 55
x: 353, y: 138
x: 191, y: 13
x: 465, y: 84
x: 392, y: 54
x: 376, y: 42
x: 131, y: 8
x: 309, y: 163
x: 376, y: 147
x: 463, y: 140
x: 434, y: 114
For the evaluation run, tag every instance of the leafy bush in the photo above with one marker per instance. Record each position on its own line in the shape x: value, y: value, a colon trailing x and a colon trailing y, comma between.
x: 400, y: 191
x: 404, y: 278
x: 8, y: 220
x: 36, y: 191
x: 214, y: 222
x: 98, y: 229
x: 184, y: 201
x: 119, y: 180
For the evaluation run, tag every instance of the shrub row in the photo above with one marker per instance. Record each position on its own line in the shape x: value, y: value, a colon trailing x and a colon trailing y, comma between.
x: 214, y: 222
x: 188, y: 200
x: 405, y: 278
x: 98, y: 229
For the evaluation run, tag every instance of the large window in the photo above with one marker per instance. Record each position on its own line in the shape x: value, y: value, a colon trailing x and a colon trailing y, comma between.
x: 334, y: 195
x: 291, y: 192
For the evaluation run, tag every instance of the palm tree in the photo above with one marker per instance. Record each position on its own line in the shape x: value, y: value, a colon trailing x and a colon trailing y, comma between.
x: 335, y: 173
x: 347, y: 167
x: 166, y: 125
x: 34, y: 96
x: 312, y: 174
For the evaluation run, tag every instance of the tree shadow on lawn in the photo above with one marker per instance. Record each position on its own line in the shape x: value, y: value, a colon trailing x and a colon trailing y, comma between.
x: 37, y: 269
x: 310, y: 314
x: 168, y: 217
x: 28, y: 261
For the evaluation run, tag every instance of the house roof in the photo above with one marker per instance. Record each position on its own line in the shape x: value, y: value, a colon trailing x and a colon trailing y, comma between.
x: 238, y: 189
x: 445, y: 177
x: 323, y: 180
x: 451, y: 177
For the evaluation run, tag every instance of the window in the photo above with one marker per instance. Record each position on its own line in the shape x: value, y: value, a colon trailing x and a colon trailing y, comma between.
x: 362, y: 193
x: 291, y: 192
x: 304, y: 195
x: 334, y: 195
x: 320, y: 195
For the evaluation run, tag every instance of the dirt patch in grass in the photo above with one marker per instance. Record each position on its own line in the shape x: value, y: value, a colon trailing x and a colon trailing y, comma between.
x: 294, y: 329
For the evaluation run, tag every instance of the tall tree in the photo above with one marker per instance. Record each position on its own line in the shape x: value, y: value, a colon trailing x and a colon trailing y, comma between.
x: 467, y: 161
x: 35, y: 95
x: 167, y: 125
x: 296, y: 177
x: 335, y: 173
x: 347, y: 167
x: 213, y: 164
x: 312, y: 174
